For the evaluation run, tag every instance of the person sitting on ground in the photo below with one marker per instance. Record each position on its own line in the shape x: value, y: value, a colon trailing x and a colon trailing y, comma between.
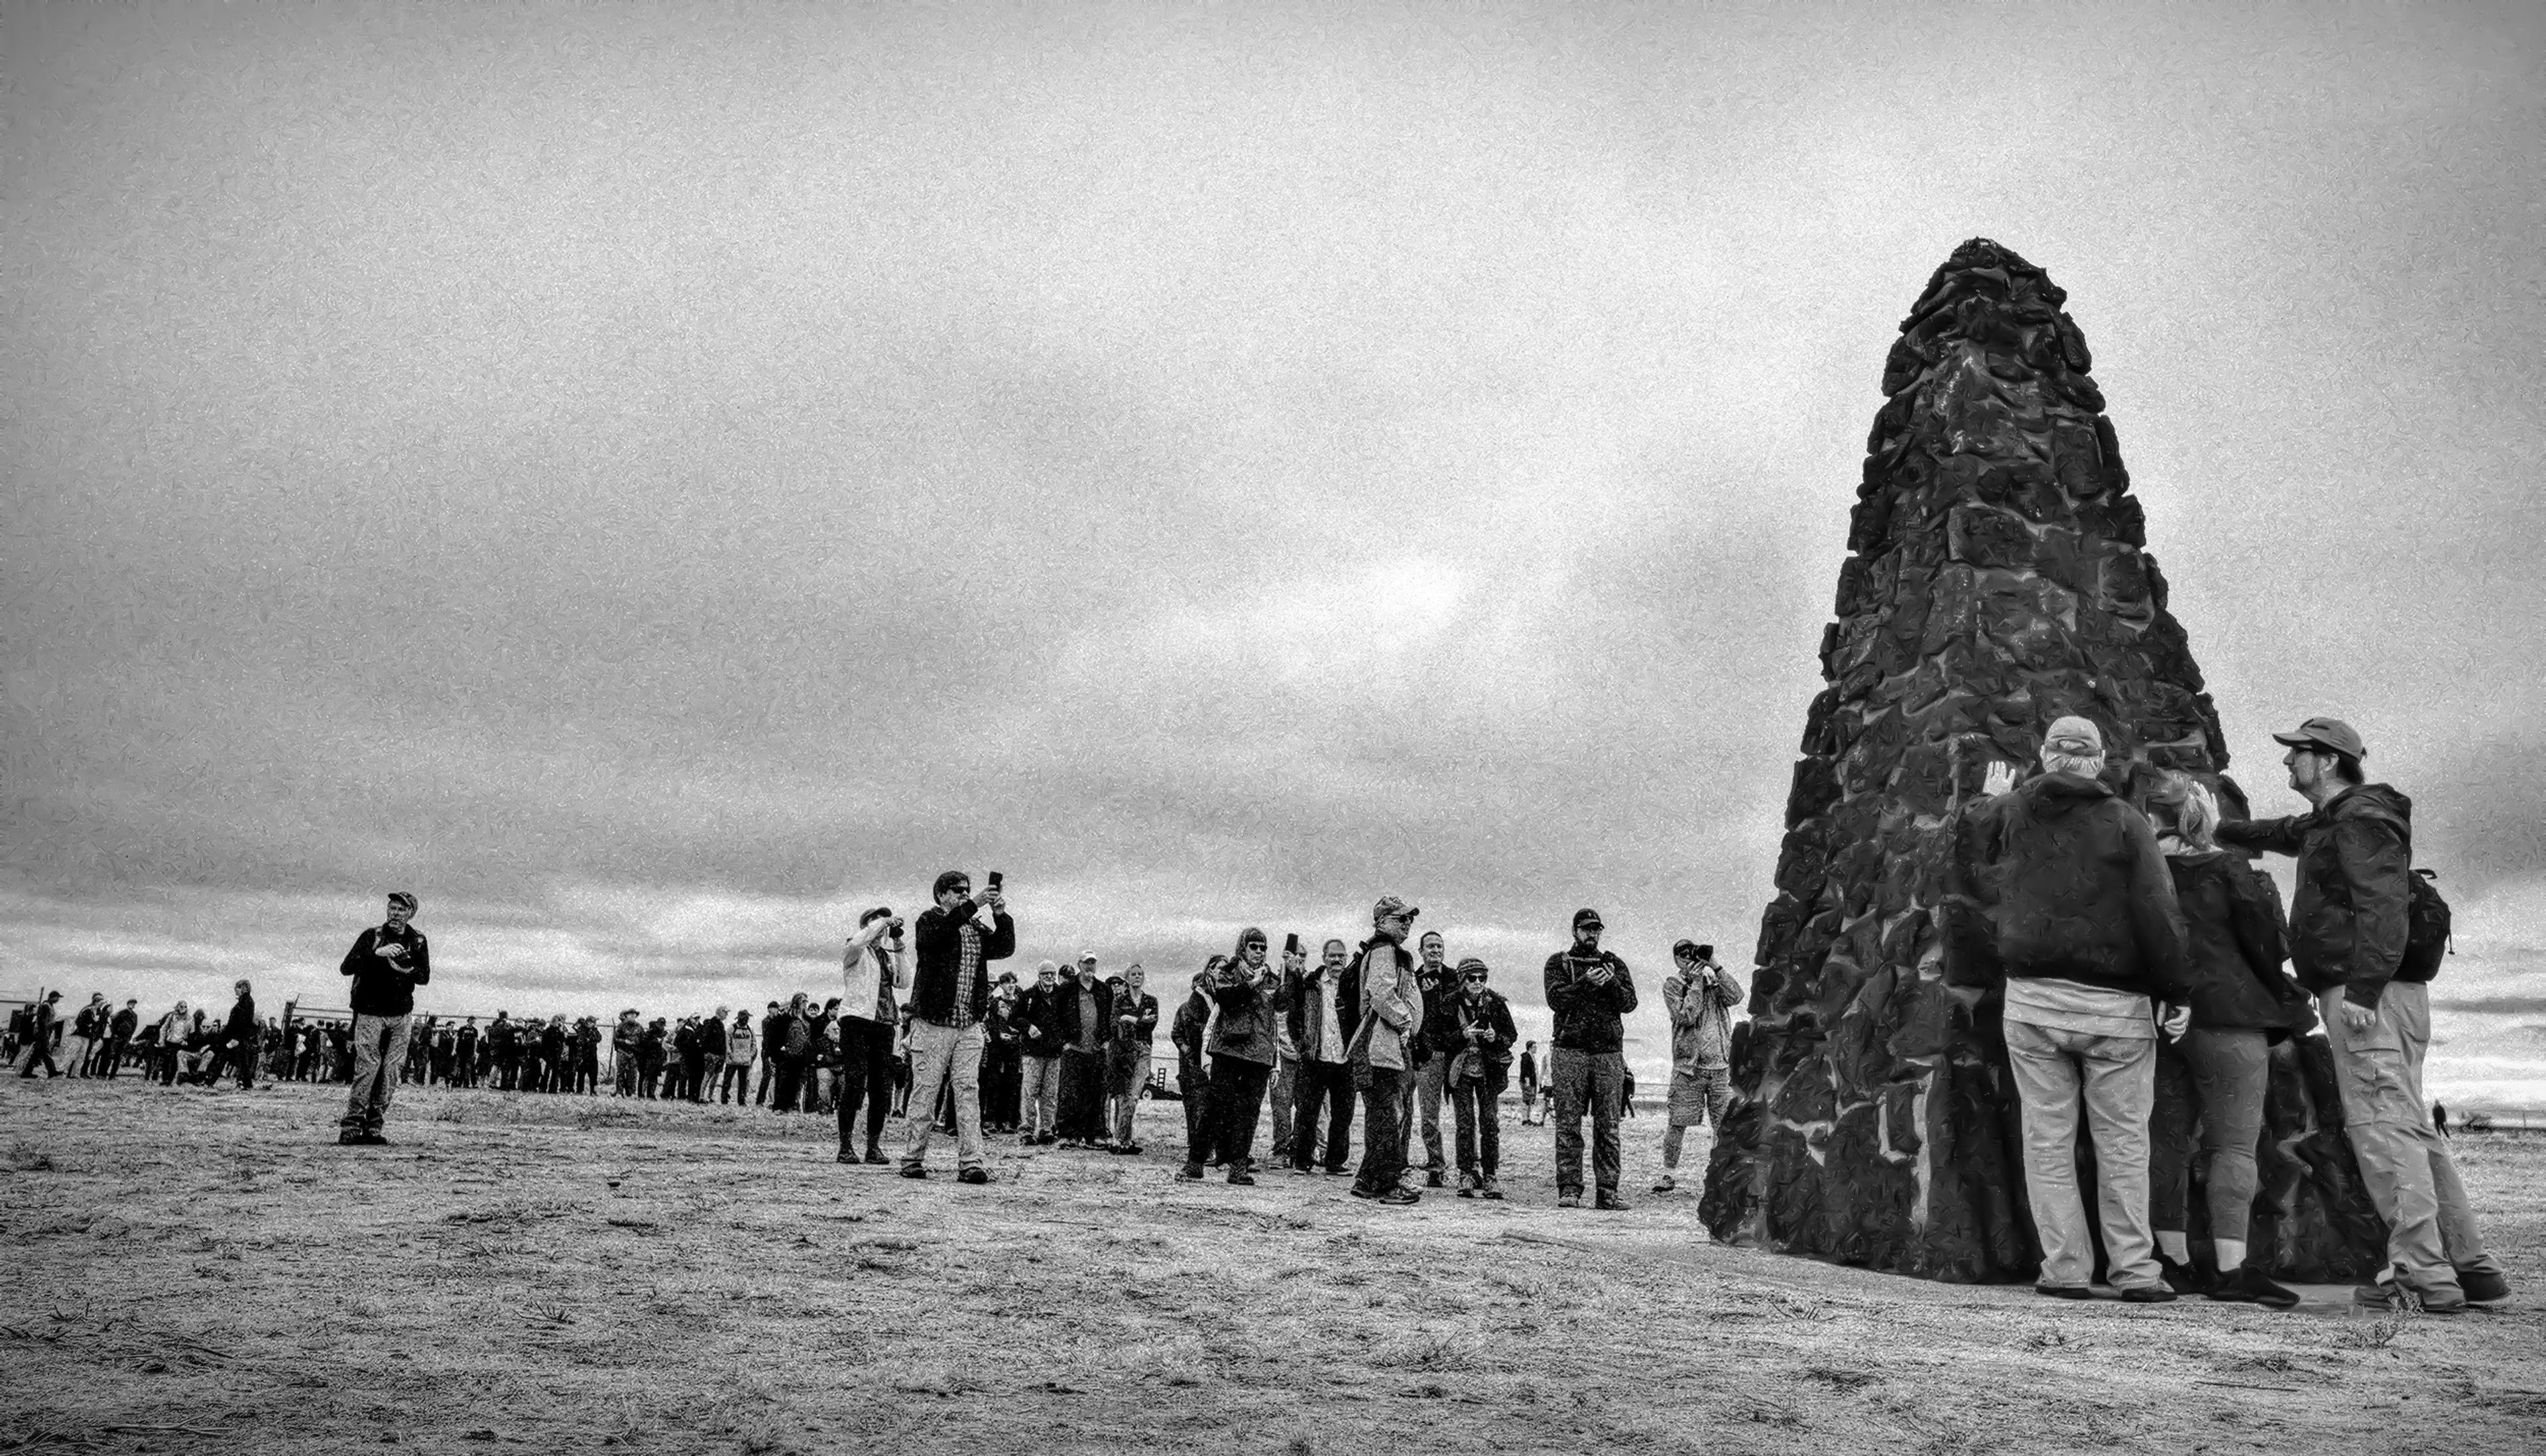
x: 2084, y: 930
x: 2215, y: 1074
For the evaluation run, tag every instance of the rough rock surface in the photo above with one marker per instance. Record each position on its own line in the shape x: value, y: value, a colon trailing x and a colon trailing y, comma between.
x: 1997, y: 579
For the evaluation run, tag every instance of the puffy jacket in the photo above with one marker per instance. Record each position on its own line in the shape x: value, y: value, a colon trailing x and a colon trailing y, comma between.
x: 2355, y: 855
x: 2231, y: 919
x: 2075, y: 887
x: 1588, y: 1017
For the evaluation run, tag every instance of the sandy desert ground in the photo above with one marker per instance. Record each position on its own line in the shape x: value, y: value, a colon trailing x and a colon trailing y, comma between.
x: 187, y: 1270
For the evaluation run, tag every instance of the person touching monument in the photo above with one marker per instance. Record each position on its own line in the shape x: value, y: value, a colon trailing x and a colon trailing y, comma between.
x: 2350, y: 942
x: 2085, y: 928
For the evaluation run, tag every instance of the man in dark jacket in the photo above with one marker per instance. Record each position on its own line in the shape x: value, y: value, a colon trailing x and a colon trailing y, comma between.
x: 1323, y: 1008
x: 2084, y: 930
x: 1086, y: 1006
x: 624, y: 1062
x: 1478, y: 1060
x: 1127, y: 1059
x: 950, y: 992
x: 42, y: 1030
x: 1193, y: 1081
x: 1590, y: 992
x: 710, y: 1041
x: 119, y: 1036
x: 2349, y: 929
x: 388, y: 963
x: 1039, y: 1016
x: 1438, y: 1042
x: 240, y: 1037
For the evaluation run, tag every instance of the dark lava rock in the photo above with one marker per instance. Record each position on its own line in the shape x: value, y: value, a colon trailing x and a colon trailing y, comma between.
x: 1997, y: 580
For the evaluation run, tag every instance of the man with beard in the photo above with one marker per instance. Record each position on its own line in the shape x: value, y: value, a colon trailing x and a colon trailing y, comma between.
x: 949, y: 990
x: 1590, y: 992
x: 1087, y: 1023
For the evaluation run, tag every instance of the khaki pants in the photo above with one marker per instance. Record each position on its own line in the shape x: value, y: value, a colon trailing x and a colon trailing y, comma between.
x: 2431, y: 1230
x: 2115, y: 1080
x: 939, y: 1055
x: 380, y: 1049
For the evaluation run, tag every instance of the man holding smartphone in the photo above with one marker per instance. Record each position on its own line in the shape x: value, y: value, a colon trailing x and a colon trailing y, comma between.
x: 949, y: 991
x: 1591, y: 993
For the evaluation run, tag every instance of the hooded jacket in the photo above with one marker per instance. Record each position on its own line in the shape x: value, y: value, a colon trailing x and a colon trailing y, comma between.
x: 2075, y: 887
x: 2355, y: 855
x: 2232, y: 918
x: 1701, y: 1019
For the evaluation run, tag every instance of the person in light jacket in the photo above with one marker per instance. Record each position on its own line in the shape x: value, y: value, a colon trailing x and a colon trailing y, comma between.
x: 874, y: 972
x: 741, y: 1049
x: 1699, y: 995
x: 1392, y: 1007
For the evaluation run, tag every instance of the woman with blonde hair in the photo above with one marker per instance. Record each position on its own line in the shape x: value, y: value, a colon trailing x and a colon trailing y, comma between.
x: 2216, y: 1071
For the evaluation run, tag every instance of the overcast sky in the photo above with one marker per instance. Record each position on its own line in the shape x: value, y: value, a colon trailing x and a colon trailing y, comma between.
x: 652, y: 480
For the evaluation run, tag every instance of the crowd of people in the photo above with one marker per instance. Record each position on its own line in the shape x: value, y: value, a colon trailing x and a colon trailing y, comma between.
x: 2140, y: 962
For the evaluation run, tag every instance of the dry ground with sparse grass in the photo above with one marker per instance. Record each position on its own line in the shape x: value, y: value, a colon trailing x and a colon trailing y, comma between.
x: 187, y: 1270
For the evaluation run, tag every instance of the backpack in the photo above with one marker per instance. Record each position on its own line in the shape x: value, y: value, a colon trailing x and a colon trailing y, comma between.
x: 2426, y: 928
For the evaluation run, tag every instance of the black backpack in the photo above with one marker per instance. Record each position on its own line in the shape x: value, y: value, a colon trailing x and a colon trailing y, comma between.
x: 2426, y: 929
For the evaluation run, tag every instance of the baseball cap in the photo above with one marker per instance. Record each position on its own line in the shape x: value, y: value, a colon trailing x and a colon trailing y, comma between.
x: 2074, y: 735
x: 2325, y: 732
x: 1688, y: 948
x: 1388, y: 905
x: 1587, y: 916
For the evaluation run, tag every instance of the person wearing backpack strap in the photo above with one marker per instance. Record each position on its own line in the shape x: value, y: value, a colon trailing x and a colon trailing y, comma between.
x: 2351, y: 943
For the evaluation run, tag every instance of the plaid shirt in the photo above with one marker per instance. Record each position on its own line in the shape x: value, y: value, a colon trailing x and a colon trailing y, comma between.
x: 968, y: 966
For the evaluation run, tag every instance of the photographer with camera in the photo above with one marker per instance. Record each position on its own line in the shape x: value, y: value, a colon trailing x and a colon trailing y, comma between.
x: 1699, y: 995
x: 950, y: 992
x: 871, y: 977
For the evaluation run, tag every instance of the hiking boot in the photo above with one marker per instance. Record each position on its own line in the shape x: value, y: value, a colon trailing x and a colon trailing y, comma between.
x: 2181, y: 1278
x: 2252, y: 1286
x: 348, y: 1140
x: 1568, y: 1200
x: 2063, y: 1291
x: 1467, y: 1185
x: 1492, y: 1189
x: 1432, y: 1179
x: 2484, y: 1286
x: 1190, y: 1173
x: 1129, y: 1149
x: 1399, y: 1197
x: 974, y: 1175
x: 876, y: 1155
x: 2400, y: 1298
x: 845, y: 1156
x: 1241, y: 1178
x: 913, y: 1171
x: 2148, y: 1294
x: 1667, y: 1184
x: 1609, y: 1203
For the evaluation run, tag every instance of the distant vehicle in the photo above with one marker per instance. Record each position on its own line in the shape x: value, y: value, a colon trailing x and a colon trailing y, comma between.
x: 1161, y: 1088
x: 2480, y: 1121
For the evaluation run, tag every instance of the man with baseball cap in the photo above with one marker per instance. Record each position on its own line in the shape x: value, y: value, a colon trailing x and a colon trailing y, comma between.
x: 1590, y: 993
x: 1699, y: 995
x: 1391, y: 1010
x: 2086, y: 930
x: 388, y: 963
x: 2348, y: 932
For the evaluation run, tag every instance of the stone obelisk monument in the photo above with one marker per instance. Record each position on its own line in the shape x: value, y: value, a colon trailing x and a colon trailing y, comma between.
x: 1997, y: 578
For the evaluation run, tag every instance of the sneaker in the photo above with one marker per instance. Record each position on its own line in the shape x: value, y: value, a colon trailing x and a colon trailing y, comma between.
x: 2484, y: 1286
x: 845, y: 1156
x: 348, y: 1140
x: 1568, y: 1200
x: 1667, y: 1184
x: 1358, y: 1191
x: 1190, y: 1173
x: 974, y: 1175
x: 2148, y: 1294
x: 1609, y: 1203
x: 2181, y: 1278
x: 1432, y: 1179
x: 1467, y: 1185
x: 1129, y: 1149
x: 1492, y: 1189
x: 913, y: 1171
x: 1240, y: 1178
x: 2252, y: 1286
x: 1399, y: 1197
x: 2063, y: 1291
